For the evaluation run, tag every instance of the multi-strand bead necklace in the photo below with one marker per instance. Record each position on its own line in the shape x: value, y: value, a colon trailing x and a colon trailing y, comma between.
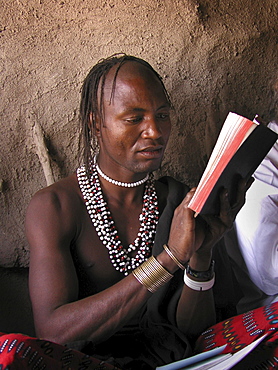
x: 104, y: 224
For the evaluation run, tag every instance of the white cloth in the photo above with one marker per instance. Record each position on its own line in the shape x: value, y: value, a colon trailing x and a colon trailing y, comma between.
x: 267, y: 172
x: 256, y: 224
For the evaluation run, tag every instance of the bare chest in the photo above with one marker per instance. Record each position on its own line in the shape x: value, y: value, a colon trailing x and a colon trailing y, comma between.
x: 91, y: 255
x: 130, y: 232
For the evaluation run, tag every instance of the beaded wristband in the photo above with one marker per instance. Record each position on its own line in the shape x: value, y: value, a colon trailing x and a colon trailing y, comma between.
x: 198, y: 285
x: 173, y: 257
x: 152, y: 274
x: 202, y: 275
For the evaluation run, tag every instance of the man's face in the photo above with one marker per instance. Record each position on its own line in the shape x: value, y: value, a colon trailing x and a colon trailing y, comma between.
x: 136, y: 124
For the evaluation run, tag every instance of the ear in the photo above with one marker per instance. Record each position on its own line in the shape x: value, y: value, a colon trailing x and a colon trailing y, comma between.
x: 94, y: 124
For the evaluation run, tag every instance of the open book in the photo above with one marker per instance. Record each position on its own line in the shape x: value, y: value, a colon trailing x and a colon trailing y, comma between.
x: 215, y: 359
x: 241, y: 146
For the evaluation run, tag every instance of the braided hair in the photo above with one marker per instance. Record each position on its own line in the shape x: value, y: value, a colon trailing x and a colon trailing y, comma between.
x: 91, y: 106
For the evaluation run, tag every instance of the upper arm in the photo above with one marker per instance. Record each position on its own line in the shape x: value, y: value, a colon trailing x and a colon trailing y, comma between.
x: 50, y: 230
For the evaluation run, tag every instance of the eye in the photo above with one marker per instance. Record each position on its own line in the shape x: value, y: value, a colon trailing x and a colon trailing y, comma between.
x: 163, y: 116
x: 136, y: 119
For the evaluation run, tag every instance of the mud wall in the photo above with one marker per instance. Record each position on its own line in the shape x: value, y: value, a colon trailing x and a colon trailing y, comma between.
x: 215, y: 56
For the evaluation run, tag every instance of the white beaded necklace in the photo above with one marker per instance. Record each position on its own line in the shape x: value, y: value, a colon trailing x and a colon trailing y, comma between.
x: 119, y: 183
x: 105, y: 227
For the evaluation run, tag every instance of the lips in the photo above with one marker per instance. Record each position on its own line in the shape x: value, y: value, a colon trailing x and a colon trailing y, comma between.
x: 152, y: 151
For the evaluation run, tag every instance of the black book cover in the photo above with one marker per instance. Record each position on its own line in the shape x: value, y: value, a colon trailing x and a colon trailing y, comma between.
x: 243, y: 164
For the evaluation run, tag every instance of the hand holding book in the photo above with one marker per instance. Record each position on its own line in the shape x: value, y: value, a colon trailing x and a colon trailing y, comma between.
x: 240, y: 148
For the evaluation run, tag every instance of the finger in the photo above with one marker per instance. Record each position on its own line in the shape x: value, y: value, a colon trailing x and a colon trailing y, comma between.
x: 190, y: 194
x: 243, y: 185
x: 182, y: 233
x: 183, y: 209
x: 188, y: 197
x: 227, y: 214
x: 249, y: 182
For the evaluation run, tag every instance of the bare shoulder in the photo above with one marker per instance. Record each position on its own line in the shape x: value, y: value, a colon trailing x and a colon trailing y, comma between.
x: 55, y: 207
x: 61, y: 194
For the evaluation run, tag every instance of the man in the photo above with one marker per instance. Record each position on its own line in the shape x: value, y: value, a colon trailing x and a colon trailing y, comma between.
x: 93, y: 235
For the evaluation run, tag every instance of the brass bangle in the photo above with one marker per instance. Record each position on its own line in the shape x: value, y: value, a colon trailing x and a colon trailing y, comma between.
x: 152, y: 274
x: 174, y: 258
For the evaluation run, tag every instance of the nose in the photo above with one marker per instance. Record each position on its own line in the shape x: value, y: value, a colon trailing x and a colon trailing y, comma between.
x: 152, y: 129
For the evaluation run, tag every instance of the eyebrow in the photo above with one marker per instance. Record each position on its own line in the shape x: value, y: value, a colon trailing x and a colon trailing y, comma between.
x: 137, y: 109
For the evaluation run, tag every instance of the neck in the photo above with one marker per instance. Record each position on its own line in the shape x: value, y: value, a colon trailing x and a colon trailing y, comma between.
x: 122, y: 196
x: 117, y: 182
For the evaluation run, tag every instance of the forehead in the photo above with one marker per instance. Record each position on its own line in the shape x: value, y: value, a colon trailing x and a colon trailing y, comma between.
x: 129, y: 69
x: 131, y: 78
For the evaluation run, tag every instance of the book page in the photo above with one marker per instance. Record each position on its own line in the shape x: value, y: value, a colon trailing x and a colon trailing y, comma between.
x: 214, y: 359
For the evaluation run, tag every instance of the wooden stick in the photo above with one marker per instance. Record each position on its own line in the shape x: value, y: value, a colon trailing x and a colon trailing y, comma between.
x: 42, y: 151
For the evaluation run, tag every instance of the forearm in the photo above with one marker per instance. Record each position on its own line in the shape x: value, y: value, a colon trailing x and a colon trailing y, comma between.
x: 196, y: 309
x: 96, y: 317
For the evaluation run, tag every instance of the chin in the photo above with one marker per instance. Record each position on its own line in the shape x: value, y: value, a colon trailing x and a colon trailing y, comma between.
x: 151, y: 167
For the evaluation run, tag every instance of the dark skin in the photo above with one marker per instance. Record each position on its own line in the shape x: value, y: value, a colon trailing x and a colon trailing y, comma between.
x: 132, y: 141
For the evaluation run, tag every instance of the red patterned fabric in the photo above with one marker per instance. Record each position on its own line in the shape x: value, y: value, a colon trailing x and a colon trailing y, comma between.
x: 241, y: 330
x: 18, y: 352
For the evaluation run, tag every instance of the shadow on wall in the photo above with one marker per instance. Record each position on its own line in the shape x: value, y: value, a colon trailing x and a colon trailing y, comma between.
x: 230, y: 75
x: 15, y: 308
x: 243, y: 84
